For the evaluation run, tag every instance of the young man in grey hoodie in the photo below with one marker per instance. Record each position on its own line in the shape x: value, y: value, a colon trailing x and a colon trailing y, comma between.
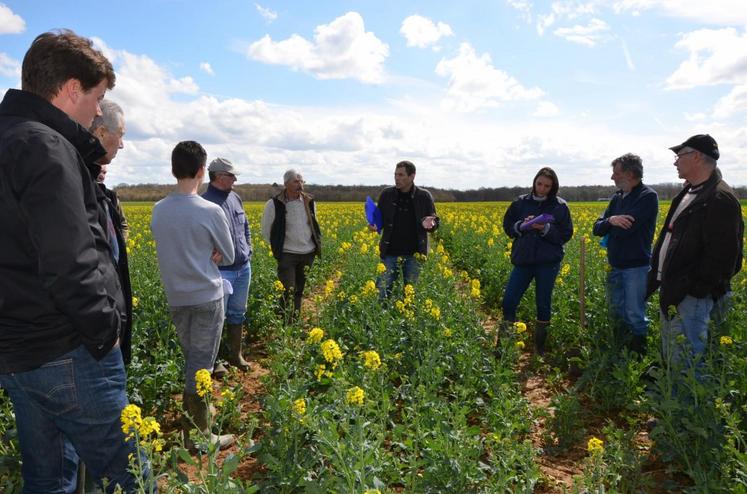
x: 192, y: 238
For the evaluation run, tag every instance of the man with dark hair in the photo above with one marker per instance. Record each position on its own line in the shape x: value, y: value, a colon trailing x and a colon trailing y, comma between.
x: 62, y: 309
x: 222, y: 175
x: 408, y: 215
x: 109, y: 128
x: 192, y: 237
x: 698, y: 251
x: 627, y: 227
x: 289, y: 225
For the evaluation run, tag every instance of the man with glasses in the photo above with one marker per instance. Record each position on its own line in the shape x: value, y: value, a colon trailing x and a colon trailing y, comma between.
x: 289, y: 225
x: 698, y: 251
x: 222, y: 175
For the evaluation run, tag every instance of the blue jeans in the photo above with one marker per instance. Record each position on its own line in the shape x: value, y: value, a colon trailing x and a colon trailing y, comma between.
x: 410, y: 272
x: 234, y: 305
x: 626, y: 298
x: 544, y: 281
x: 69, y: 409
x: 199, y: 328
x: 689, y: 325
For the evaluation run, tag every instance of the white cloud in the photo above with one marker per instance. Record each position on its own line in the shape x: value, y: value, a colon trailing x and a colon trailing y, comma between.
x: 524, y: 7
x: 564, y: 10
x: 546, y: 109
x: 341, y: 49
x: 207, y: 68
x: 474, y: 82
x: 9, y: 67
x: 423, y: 32
x: 268, y: 14
x: 588, y: 35
x: 716, y: 56
x: 733, y: 103
x: 10, y: 23
x: 715, y: 12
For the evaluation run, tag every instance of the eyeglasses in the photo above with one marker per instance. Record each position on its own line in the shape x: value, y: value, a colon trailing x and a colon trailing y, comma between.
x: 231, y: 175
x: 676, y: 158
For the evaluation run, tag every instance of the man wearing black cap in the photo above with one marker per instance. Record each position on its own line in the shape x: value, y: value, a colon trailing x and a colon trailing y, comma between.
x: 222, y: 175
x: 699, y: 248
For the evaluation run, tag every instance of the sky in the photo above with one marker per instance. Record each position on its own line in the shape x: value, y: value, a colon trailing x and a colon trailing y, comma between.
x: 475, y: 93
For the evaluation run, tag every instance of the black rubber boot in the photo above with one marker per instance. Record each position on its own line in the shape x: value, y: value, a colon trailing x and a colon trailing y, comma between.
x: 235, y: 344
x: 540, y: 336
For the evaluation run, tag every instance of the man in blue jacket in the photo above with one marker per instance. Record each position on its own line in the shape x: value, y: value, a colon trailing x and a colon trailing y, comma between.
x: 222, y: 175
x: 627, y: 227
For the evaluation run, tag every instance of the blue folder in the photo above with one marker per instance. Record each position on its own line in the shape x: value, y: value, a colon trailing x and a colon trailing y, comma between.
x: 373, y: 214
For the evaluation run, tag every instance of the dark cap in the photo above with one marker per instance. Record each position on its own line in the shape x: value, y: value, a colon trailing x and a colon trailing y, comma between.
x: 701, y: 142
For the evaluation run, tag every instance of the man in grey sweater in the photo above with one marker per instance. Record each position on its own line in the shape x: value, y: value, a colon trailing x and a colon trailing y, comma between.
x: 192, y: 238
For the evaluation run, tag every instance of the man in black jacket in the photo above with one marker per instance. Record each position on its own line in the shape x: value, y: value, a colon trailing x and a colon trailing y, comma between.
x: 627, y: 227
x: 699, y: 248
x: 109, y: 129
x: 408, y: 215
x: 61, y: 304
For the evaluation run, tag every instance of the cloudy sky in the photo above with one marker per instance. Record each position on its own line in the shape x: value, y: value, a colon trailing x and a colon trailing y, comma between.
x: 475, y: 93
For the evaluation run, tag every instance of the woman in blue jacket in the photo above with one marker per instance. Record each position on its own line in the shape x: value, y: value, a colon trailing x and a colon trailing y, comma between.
x: 539, y: 223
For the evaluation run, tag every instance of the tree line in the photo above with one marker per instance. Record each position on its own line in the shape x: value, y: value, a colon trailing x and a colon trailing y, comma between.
x: 358, y: 193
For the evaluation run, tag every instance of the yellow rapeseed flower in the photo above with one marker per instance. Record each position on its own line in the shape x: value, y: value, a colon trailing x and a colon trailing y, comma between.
x: 446, y: 332
x: 203, y: 381
x: 520, y: 327
x: 380, y: 268
x: 355, y: 396
x: 331, y: 352
x: 369, y: 288
x: 595, y: 446
x: 436, y: 313
x: 371, y: 360
x: 299, y: 407
x: 519, y: 344
x: 319, y: 372
x: 131, y: 419
x: 135, y: 302
x: 278, y: 286
x: 315, y: 336
x: 726, y: 340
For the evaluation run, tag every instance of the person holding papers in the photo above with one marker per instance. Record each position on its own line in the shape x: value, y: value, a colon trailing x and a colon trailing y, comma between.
x: 539, y: 224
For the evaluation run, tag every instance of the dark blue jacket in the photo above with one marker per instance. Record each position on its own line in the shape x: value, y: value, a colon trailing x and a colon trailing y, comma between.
x: 538, y: 247
x: 241, y: 236
x: 630, y: 248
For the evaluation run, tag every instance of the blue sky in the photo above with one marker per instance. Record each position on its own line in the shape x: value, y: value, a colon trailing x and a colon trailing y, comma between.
x: 476, y: 94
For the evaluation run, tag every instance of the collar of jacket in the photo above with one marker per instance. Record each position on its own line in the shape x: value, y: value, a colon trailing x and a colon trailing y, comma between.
x: 283, y: 197
x: 705, y: 188
x: 28, y: 105
x: 215, y: 190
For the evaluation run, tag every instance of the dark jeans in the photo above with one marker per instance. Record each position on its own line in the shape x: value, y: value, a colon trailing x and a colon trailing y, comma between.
x: 292, y: 274
x: 69, y: 409
x: 544, y: 281
x: 410, y: 271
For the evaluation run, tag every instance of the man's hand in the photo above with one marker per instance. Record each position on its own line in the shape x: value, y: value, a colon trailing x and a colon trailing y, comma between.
x: 372, y: 228
x: 216, y: 256
x: 624, y: 221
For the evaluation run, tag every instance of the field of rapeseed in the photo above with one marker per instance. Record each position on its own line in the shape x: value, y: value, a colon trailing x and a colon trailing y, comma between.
x: 407, y: 396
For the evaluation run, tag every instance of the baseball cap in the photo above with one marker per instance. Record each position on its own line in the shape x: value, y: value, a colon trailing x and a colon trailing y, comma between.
x: 222, y: 165
x: 700, y: 142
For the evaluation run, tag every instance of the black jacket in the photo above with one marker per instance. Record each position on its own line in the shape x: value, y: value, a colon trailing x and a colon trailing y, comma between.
x: 123, y: 269
x: 630, y: 248
x: 705, y: 249
x: 59, y: 286
x: 277, y: 230
x: 423, y: 204
x: 533, y: 246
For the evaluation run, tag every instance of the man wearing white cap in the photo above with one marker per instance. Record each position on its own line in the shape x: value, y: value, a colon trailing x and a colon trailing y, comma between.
x: 222, y: 176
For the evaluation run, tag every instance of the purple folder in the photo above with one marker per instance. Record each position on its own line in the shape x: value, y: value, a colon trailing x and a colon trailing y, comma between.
x: 537, y: 220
